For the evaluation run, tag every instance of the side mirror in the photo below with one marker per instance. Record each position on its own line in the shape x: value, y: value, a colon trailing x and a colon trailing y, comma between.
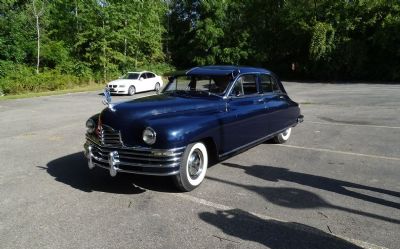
x: 237, y: 93
x: 141, y: 78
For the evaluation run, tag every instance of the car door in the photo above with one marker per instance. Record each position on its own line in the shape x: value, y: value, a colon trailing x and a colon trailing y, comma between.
x: 150, y: 84
x: 243, y: 121
x: 276, y: 104
x: 141, y: 83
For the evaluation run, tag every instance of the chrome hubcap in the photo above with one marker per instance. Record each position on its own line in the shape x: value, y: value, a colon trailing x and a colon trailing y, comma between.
x: 195, y: 164
x: 286, y: 134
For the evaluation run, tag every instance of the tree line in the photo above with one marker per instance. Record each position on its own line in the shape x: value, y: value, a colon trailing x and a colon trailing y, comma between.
x: 52, y: 44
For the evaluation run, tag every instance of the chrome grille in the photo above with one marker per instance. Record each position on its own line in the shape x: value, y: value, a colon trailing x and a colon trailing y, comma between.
x: 138, y: 160
x: 129, y: 157
x: 109, y: 136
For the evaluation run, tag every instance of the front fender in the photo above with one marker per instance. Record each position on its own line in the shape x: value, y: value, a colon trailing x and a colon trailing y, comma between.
x: 179, y: 131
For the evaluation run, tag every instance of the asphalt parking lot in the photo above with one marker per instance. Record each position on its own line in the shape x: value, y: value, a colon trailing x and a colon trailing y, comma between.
x: 335, y: 184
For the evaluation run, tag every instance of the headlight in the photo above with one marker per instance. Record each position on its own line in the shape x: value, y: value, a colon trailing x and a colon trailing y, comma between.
x: 122, y: 86
x: 149, y: 136
x: 90, y: 125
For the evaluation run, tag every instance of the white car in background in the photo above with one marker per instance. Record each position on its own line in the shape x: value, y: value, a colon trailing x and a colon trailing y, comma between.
x: 134, y: 82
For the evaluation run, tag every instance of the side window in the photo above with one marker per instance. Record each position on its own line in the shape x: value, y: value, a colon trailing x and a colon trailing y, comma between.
x: 275, y: 85
x: 149, y: 75
x: 245, y: 85
x: 143, y: 75
x: 266, y: 83
x: 269, y: 84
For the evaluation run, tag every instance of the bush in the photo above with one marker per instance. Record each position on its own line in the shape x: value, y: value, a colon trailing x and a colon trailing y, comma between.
x: 16, y: 78
x: 24, y: 79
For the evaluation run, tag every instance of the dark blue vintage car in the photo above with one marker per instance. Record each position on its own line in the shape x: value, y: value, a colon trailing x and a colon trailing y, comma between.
x: 203, y: 115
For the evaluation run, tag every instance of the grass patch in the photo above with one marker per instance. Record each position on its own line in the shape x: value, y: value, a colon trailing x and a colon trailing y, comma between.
x: 91, y: 87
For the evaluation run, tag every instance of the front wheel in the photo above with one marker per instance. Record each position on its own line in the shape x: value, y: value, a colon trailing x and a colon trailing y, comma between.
x: 131, y: 90
x: 193, y: 167
x: 283, y: 137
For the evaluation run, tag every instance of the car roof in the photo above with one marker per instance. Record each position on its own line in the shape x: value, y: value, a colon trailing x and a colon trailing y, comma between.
x: 224, y: 70
x: 141, y: 72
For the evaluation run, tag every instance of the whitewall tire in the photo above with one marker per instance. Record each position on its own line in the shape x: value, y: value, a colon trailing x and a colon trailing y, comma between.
x: 193, y: 167
x: 283, y: 137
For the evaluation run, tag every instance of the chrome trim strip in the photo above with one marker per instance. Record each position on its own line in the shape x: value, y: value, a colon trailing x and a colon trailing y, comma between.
x: 143, y: 165
x: 146, y: 157
x: 138, y: 172
x: 173, y: 159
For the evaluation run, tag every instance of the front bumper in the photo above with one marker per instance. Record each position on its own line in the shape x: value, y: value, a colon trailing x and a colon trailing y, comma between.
x: 137, y: 160
x: 118, y: 90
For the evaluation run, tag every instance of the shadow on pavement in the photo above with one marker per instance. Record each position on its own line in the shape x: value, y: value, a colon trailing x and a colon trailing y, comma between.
x: 275, y: 174
x: 272, y: 233
x: 73, y: 171
x: 302, y: 199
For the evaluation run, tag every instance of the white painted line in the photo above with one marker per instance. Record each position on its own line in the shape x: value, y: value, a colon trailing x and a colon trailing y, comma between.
x: 218, y: 206
x: 340, y: 152
x: 362, y: 125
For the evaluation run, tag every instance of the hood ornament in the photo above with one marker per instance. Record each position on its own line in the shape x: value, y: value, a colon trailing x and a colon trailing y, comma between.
x: 107, y: 99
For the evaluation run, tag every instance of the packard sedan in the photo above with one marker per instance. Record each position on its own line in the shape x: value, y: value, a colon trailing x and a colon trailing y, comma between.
x: 203, y: 115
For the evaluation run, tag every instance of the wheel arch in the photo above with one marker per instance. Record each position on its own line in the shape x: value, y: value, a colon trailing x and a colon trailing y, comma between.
x: 212, y: 150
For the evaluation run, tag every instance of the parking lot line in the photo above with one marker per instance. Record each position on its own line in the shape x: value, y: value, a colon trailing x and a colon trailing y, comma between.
x: 340, y: 152
x: 222, y: 207
x: 363, y: 125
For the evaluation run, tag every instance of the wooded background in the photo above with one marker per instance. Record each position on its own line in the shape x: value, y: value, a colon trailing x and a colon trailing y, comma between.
x: 55, y: 44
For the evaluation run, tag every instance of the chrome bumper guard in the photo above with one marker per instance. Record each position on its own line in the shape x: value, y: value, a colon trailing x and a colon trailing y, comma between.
x: 137, y: 160
x: 300, y: 119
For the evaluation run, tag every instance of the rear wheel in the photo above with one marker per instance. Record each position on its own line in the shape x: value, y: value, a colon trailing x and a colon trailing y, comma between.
x: 193, y: 167
x: 283, y: 137
x: 131, y: 90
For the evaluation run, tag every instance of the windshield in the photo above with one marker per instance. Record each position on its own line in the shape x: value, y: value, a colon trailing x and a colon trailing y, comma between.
x: 130, y: 76
x: 215, y: 85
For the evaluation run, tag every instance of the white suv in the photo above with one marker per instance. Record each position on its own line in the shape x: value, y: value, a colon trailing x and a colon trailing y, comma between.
x: 134, y: 82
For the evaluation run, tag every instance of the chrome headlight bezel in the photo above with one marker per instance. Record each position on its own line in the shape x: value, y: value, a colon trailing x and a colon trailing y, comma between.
x: 149, y: 136
x: 90, y: 125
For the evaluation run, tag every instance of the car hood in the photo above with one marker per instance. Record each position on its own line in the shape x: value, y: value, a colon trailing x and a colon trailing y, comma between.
x: 133, y: 116
x: 120, y: 82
